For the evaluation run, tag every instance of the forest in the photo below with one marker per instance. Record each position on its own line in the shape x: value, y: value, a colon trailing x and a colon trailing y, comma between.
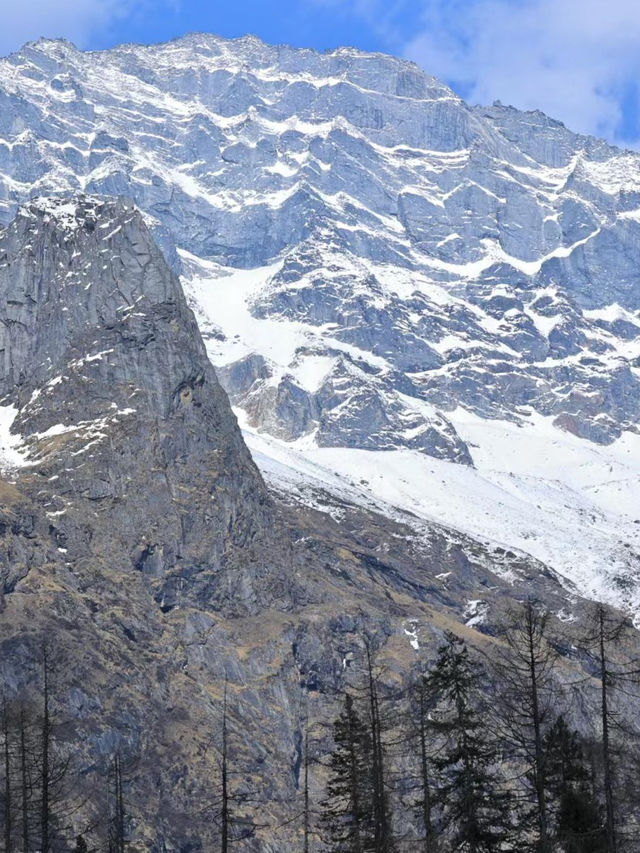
x: 470, y: 752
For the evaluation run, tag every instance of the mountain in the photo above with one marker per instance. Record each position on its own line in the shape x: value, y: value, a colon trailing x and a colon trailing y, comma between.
x: 140, y: 543
x: 297, y: 349
x: 427, y: 305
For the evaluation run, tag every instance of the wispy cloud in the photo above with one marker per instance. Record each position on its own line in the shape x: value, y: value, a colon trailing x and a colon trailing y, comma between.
x: 578, y: 60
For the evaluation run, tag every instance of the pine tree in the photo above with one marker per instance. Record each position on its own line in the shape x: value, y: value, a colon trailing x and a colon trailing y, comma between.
x: 348, y: 810
x: 604, y: 643
x: 228, y: 807
x: 117, y: 809
x: 26, y: 788
x: 473, y: 807
x: 580, y: 827
x: 225, y: 817
x: 306, y: 799
x: 8, y: 790
x: 45, y: 753
x: 419, y: 739
x: 57, y: 795
x: 41, y: 792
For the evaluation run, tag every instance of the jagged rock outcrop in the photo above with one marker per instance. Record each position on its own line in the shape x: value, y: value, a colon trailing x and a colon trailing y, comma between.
x: 119, y: 412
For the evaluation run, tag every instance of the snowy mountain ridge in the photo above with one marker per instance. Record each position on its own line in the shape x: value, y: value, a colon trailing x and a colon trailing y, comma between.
x: 441, y: 301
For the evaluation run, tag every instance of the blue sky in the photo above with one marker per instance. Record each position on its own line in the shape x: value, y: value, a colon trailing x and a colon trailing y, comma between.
x: 578, y: 60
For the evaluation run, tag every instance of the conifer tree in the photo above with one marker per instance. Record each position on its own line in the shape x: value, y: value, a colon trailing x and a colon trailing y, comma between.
x: 45, y: 753
x: 420, y: 741
x: 306, y: 807
x: 604, y: 642
x: 229, y: 806
x: 348, y: 811
x: 425, y: 772
x: 383, y: 835
x: 527, y: 695
x: 225, y: 816
x: 117, y: 809
x: 8, y: 788
x: 58, y: 797
x: 473, y: 807
x: 579, y: 823
x: 26, y: 787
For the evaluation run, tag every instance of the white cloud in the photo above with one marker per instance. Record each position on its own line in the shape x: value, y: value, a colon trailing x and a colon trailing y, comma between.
x: 76, y: 20
x: 574, y: 59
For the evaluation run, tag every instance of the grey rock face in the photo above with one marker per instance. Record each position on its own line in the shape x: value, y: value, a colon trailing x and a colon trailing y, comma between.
x: 471, y: 256
x: 114, y: 393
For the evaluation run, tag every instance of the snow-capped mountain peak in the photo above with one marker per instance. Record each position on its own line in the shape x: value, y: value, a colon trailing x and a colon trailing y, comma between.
x: 388, y: 280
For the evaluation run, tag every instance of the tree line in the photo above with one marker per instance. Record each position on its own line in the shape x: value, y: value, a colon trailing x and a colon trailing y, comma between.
x: 490, y: 754
x: 470, y: 753
x: 44, y: 790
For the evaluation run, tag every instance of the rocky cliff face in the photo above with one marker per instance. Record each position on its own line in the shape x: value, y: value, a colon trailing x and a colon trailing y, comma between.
x: 113, y: 409
x: 432, y: 255
x: 138, y: 539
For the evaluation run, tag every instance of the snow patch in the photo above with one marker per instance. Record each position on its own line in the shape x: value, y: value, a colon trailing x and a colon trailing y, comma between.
x: 534, y: 490
x: 475, y: 612
x: 411, y: 630
x: 11, y: 454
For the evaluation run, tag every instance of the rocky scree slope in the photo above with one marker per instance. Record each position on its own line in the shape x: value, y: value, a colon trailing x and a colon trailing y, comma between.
x: 137, y: 536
